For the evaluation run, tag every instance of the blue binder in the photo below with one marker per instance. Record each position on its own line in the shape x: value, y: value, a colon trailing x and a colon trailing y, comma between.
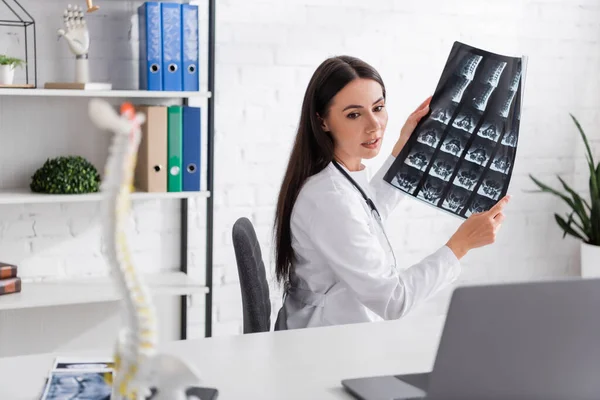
x: 171, y: 56
x: 191, y: 47
x: 191, y: 148
x: 150, y: 46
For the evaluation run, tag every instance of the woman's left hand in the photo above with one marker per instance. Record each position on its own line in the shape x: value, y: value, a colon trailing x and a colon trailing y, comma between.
x: 410, y: 125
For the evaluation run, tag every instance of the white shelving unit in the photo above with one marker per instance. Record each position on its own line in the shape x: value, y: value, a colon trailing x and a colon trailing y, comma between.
x: 94, y: 290
x: 101, y: 289
x: 102, y: 93
x: 82, y: 290
x: 88, y: 290
x: 25, y: 196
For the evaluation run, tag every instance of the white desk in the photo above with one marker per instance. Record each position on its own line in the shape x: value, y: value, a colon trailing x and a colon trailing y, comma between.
x: 301, y: 364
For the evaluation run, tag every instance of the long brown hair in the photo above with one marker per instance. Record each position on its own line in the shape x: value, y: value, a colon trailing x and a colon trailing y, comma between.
x: 313, y: 147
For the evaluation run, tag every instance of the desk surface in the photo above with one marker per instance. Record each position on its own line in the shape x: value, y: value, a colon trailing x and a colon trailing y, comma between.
x: 299, y: 364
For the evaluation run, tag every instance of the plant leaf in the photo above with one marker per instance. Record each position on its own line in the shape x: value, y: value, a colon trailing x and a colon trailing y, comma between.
x: 571, y: 220
x: 598, y: 174
x: 594, y: 185
x: 595, y: 222
x: 575, y: 194
x: 568, y: 223
x: 579, y: 202
x: 567, y: 227
x: 585, y: 141
x: 548, y: 189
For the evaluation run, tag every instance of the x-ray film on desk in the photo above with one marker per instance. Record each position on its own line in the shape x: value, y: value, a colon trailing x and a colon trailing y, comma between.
x: 461, y: 155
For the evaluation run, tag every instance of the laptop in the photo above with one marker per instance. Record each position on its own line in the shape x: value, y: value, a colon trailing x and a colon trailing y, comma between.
x: 529, y: 340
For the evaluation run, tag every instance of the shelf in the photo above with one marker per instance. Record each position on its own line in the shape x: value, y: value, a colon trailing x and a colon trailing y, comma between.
x: 25, y: 196
x: 99, y: 93
x: 94, y: 290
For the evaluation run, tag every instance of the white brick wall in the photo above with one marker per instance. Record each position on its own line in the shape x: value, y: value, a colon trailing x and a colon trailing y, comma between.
x: 266, y: 53
x: 408, y: 43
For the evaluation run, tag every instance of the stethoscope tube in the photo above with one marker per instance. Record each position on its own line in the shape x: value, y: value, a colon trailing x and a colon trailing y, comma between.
x: 371, y: 205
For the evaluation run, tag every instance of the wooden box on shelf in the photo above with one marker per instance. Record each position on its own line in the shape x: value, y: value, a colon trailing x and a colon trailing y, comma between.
x: 17, y: 86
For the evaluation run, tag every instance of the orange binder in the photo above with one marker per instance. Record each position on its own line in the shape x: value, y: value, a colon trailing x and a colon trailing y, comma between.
x: 151, y: 168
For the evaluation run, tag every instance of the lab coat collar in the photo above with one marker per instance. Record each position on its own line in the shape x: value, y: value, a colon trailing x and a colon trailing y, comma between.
x: 361, y: 177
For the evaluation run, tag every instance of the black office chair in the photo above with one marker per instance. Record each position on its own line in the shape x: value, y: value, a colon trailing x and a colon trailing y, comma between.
x: 253, y: 281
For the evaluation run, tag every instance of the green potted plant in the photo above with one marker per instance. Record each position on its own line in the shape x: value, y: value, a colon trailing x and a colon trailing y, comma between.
x: 7, y: 68
x: 583, y: 220
x: 66, y: 175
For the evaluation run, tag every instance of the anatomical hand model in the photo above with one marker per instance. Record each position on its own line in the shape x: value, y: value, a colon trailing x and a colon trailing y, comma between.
x: 76, y: 33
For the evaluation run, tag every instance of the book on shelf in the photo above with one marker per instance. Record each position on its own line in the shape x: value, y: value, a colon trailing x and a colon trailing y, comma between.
x: 78, y: 85
x: 7, y: 271
x: 10, y: 286
x: 9, y: 281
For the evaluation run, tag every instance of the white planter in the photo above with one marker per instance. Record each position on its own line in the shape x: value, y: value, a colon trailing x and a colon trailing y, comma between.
x: 590, y: 260
x: 7, y: 74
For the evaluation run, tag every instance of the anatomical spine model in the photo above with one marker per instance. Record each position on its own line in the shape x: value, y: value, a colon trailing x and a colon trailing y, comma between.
x: 138, y: 366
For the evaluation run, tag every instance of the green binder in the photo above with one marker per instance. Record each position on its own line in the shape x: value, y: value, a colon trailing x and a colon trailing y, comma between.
x: 174, y: 148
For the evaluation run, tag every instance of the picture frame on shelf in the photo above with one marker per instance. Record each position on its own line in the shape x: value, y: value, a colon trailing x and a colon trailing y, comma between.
x: 20, y: 22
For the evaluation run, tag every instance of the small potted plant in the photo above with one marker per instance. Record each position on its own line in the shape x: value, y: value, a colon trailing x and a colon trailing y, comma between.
x: 66, y: 175
x: 7, y: 68
x: 583, y: 220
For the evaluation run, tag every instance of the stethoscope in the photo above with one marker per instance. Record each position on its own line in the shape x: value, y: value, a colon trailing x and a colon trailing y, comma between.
x: 371, y: 205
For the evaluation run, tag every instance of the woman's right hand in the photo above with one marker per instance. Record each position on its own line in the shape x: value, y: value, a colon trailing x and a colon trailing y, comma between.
x: 478, y: 230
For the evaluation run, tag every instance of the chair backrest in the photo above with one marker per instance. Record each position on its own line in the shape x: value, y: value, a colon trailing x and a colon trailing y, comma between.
x: 256, y: 302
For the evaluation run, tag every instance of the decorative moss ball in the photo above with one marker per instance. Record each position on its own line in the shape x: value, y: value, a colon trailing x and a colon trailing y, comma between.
x: 66, y: 175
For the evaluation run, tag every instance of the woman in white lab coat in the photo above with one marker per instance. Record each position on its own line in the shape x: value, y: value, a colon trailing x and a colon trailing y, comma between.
x: 331, y: 250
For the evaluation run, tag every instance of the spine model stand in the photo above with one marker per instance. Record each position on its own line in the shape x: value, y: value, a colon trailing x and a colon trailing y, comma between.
x: 138, y: 366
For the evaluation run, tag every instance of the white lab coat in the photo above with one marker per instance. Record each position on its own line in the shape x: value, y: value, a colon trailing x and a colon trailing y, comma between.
x: 345, y: 272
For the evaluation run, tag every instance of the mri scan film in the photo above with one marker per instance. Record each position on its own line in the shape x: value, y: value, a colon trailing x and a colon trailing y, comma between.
x: 461, y: 155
